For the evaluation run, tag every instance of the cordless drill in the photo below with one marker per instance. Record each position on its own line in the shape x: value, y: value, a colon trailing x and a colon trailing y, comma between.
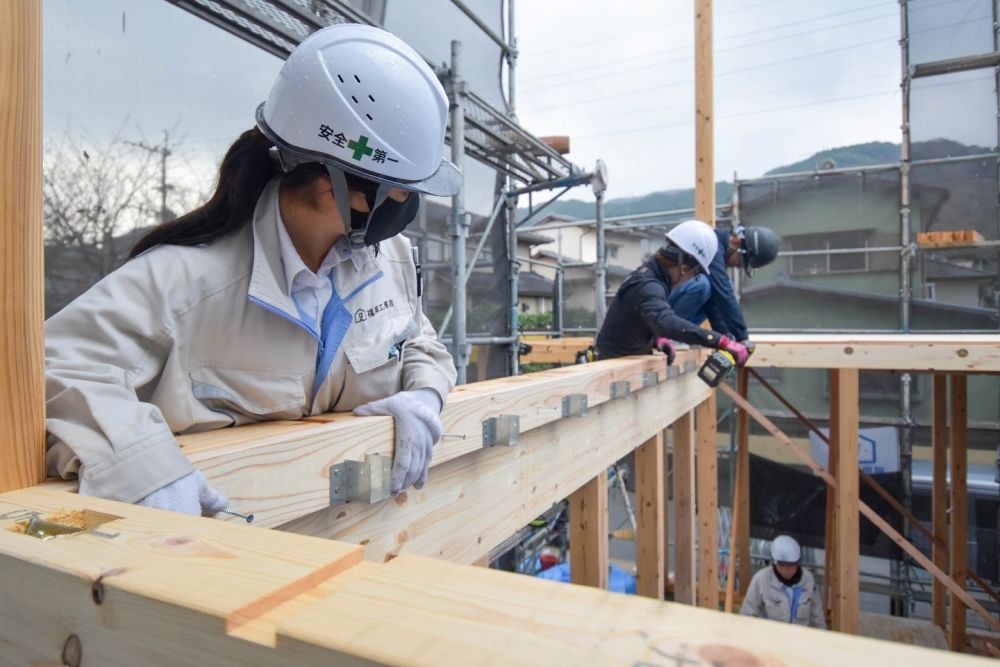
x: 717, y: 367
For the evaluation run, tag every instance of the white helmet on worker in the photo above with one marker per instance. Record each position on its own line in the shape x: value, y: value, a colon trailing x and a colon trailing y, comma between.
x: 362, y: 102
x: 697, y: 239
x: 784, y: 549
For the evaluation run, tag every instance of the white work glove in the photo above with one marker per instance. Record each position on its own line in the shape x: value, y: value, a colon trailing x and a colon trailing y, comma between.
x: 418, y: 428
x: 190, y: 494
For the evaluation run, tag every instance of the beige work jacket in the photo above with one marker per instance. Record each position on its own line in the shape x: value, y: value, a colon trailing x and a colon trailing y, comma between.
x: 185, y: 339
x: 767, y: 598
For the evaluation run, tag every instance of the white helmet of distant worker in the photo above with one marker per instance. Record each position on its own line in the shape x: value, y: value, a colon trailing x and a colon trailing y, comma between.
x: 784, y: 549
x: 697, y: 239
x: 362, y: 102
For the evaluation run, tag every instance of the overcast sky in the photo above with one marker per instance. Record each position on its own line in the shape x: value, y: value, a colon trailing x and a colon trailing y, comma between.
x: 792, y: 77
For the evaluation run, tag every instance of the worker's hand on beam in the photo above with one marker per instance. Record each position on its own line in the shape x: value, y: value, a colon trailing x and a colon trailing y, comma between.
x: 666, y: 347
x: 190, y: 494
x: 738, y: 350
x: 418, y: 428
x: 748, y: 344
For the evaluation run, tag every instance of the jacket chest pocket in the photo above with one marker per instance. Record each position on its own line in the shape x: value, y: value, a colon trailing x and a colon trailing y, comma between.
x: 247, y: 395
x: 379, y: 344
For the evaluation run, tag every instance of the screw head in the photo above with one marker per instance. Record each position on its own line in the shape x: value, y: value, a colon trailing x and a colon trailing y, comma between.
x: 72, y: 653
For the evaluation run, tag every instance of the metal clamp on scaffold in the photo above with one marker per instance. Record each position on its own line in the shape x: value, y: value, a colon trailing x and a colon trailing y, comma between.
x: 502, y: 431
x: 356, y: 481
x: 574, y: 405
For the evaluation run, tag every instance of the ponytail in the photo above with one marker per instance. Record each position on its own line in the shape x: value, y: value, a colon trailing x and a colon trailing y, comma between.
x: 246, y: 170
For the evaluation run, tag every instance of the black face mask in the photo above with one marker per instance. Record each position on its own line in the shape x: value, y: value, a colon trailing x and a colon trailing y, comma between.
x: 389, y: 219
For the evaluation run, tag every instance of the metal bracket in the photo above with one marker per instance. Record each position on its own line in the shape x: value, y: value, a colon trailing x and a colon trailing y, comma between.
x: 673, y: 372
x: 620, y: 389
x: 574, y: 405
x: 366, y: 482
x: 689, y: 366
x: 503, y: 430
x: 650, y: 379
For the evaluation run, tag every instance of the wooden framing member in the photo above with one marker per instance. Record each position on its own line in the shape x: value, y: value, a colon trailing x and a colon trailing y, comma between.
x: 22, y: 280
x: 708, y: 505
x: 742, y: 523
x: 650, y: 516
x: 844, y: 431
x: 588, y: 533
x: 939, y: 497
x: 870, y: 514
x: 704, y: 114
x: 685, y: 576
x: 959, y: 510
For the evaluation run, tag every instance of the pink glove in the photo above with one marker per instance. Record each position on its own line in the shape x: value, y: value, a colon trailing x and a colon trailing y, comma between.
x: 738, y: 350
x: 664, y: 346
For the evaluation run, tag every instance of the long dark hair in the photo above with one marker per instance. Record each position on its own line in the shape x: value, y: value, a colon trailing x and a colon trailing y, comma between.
x: 246, y: 170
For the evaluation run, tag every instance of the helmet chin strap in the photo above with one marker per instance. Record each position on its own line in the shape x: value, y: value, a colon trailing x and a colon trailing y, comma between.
x: 343, y: 196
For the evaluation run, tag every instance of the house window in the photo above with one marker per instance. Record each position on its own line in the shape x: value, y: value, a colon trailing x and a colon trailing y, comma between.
x: 930, y: 291
x: 612, y: 251
x: 816, y: 257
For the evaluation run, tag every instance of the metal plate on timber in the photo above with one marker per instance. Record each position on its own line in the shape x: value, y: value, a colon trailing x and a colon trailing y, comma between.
x: 620, y: 389
x: 689, y: 366
x: 673, y: 372
x: 650, y: 379
x: 502, y: 431
x: 574, y: 405
x: 367, y: 482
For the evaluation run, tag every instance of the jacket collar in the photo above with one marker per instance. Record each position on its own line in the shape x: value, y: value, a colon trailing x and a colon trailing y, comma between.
x: 267, y: 279
x: 658, y: 271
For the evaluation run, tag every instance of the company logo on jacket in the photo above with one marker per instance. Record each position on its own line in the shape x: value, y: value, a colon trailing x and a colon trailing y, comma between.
x: 362, y: 314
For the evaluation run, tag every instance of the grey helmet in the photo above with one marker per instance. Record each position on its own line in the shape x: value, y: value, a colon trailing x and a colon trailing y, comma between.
x: 759, y: 248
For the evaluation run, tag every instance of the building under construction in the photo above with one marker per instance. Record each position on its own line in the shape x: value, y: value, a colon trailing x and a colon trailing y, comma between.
x: 866, y: 423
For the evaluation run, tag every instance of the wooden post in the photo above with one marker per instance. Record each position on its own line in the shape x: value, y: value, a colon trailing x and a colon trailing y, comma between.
x: 685, y: 579
x: 742, y: 526
x: 708, y: 504
x: 959, y: 510
x: 939, y: 497
x: 588, y: 533
x: 844, y: 431
x: 829, y: 548
x: 704, y: 170
x: 665, y: 515
x: 649, y: 517
x: 22, y: 281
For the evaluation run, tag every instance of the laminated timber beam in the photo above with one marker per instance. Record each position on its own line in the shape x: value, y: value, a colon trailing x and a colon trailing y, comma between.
x: 175, y: 590
x: 280, y: 471
x: 892, y: 352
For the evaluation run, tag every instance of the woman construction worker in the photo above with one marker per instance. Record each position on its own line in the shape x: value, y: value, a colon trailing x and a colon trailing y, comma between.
x: 644, y: 314
x: 289, y: 293
x: 785, y: 591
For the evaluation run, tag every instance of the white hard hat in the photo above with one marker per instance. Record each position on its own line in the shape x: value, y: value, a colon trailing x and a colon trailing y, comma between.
x: 697, y: 239
x: 360, y: 99
x: 784, y: 549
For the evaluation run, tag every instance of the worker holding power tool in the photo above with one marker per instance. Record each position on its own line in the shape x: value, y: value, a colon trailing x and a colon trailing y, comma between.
x: 646, y: 312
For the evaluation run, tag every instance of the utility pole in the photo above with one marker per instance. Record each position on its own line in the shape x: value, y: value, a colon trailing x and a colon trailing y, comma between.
x: 164, y: 151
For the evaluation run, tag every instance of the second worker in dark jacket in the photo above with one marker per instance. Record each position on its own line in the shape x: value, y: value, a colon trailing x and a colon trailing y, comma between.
x: 644, y: 313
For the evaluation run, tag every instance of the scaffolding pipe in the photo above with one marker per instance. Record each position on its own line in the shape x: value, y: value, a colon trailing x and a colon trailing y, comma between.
x: 512, y: 274
x: 459, y: 218
x: 488, y: 31
x: 511, y: 54
x: 600, y: 277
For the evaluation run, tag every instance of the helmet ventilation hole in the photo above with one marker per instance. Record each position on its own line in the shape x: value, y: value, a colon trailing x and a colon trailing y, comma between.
x: 341, y: 78
x: 357, y: 79
x: 371, y: 98
x: 369, y: 116
x: 354, y: 98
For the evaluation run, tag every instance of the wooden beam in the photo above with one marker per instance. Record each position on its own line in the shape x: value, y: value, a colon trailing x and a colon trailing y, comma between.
x: 280, y: 471
x: 708, y: 505
x: 685, y: 576
x: 865, y: 510
x: 830, y: 537
x: 844, y: 430
x: 588, y: 533
x: 471, y: 504
x: 939, y: 497
x: 899, y: 352
x: 162, y: 593
x: 667, y: 583
x: 555, y: 350
x: 737, y: 514
x: 742, y: 526
x: 959, y: 509
x: 22, y: 279
x: 704, y: 114
x: 650, y: 517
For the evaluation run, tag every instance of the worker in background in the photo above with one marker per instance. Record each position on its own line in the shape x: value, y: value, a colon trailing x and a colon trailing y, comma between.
x: 785, y: 591
x: 711, y: 296
x: 644, y: 314
x: 290, y: 293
